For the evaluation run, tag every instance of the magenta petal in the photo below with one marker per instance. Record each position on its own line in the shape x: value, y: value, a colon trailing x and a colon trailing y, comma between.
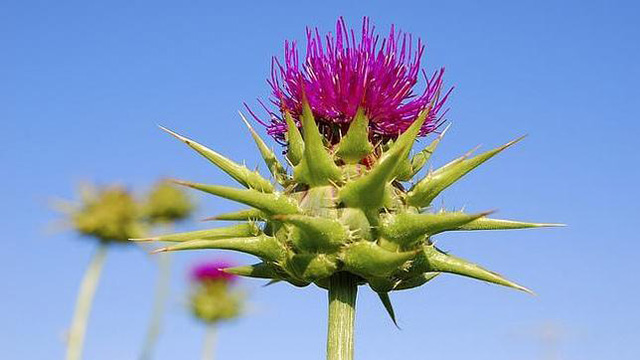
x: 211, y: 271
x: 342, y: 72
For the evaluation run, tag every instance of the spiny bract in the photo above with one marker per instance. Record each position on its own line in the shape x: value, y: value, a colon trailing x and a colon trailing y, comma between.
x: 336, y: 214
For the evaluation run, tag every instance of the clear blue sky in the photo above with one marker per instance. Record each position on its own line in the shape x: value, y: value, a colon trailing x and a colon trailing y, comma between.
x: 83, y: 85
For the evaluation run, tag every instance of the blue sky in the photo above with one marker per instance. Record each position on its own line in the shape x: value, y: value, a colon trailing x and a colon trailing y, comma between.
x: 84, y: 84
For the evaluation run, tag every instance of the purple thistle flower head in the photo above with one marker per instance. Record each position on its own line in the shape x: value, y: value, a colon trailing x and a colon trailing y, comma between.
x: 343, y: 73
x: 212, y: 271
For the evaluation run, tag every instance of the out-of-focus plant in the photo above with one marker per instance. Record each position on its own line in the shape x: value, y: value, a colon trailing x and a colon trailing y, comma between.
x: 110, y: 216
x: 164, y: 206
x: 213, y: 300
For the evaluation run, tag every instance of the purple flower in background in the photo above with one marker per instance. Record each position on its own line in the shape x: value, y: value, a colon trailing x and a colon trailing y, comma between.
x: 343, y: 73
x: 212, y: 270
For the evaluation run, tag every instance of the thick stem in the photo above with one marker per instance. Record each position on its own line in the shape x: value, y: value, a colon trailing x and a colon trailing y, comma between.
x: 159, y: 303
x: 343, y: 290
x: 209, y: 346
x: 83, y: 304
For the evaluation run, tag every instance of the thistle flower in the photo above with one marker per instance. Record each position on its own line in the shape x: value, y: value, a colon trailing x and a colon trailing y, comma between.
x: 354, y: 211
x: 109, y: 214
x: 212, y: 271
x: 342, y: 74
x: 213, y: 300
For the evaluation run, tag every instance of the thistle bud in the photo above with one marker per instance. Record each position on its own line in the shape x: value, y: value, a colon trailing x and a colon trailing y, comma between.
x: 109, y: 214
x: 213, y: 299
x: 166, y: 203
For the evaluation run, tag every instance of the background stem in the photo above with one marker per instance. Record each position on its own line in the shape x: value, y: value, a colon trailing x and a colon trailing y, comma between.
x: 343, y: 290
x: 83, y: 304
x: 209, y: 346
x: 160, y: 301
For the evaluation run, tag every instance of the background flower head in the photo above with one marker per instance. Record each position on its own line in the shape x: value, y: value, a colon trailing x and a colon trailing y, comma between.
x: 212, y: 271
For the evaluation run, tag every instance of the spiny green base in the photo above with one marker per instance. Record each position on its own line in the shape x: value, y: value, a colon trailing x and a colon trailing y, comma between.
x: 344, y: 210
x: 343, y: 290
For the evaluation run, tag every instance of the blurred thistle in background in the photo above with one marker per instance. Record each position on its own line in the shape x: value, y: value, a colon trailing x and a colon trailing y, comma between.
x: 112, y: 215
x: 164, y: 206
x: 109, y: 215
x: 213, y: 299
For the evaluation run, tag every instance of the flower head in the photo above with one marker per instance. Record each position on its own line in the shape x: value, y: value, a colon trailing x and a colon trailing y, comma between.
x: 166, y: 203
x: 343, y: 73
x: 109, y: 214
x: 212, y: 271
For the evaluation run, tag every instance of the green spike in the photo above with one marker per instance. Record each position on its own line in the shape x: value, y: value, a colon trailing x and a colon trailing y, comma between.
x: 416, y: 281
x: 295, y: 144
x: 368, y: 259
x: 429, y: 187
x: 320, y: 234
x: 355, y: 144
x: 270, y: 159
x: 240, y: 230
x: 356, y: 220
x: 260, y: 270
x: 264, y: 247
x: 271, y: 282
x: 386, y: 301
x: 406, y: 228
x: 249, y: 179
x: 240, y: 215
x: 370, y: 191
x: 316, y: 168
x: 271, y: 204
x: 439, y: 261
x: 499, y: 224
x: 313, y: 267
x: 420, y: 159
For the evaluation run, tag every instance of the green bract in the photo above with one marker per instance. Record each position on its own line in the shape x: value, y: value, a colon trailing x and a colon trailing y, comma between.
x: 212, y: 301
x: 344, y: 208
x: 110, y: 214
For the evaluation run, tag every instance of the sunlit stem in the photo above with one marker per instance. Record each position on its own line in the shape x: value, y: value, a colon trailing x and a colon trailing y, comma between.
x: 343, y: 290
x: 83, y: 304
x: 209, y: 345
x: 159, y: 304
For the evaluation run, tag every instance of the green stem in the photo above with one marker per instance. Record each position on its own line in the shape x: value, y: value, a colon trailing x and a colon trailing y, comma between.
x: 83, y: 304
x: 343, y: 290
x: 159, y: 303
x: 209, y: 346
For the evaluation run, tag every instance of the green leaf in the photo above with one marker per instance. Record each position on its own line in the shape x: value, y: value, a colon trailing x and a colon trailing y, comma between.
x: 386, y: 302
x: 407, y: 228
x: 271, y: 204
x: 420, y: 159
x: 319, y: 233
x: 316, y: 168
x: 437, y: 260
x: 434, y: 183
x: 240, y: 230
x: 355, y: 145
x: 415, y: 281
x: 499, y: 224
x: 264, y: 247
x: 260, y: 270
x: 368, y: 259
x: 295, y: 144
x: 240, y: 215
x: 270, y: 159
x: 370, y: 190
x: 249, y: 179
